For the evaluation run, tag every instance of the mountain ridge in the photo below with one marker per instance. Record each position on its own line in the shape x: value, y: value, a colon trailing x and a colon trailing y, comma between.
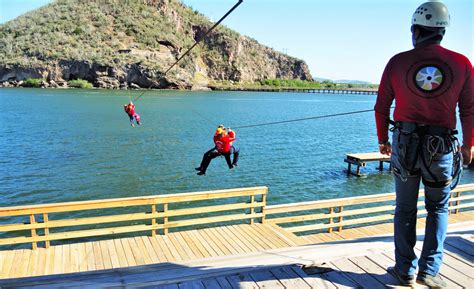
x: 117, y: 44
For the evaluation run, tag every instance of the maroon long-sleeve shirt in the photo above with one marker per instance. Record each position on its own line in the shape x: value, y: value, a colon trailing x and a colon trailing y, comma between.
x: 427, y: 83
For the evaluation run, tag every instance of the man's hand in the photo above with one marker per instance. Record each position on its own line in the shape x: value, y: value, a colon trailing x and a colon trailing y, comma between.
x: 466, y: 154
x: 385, y: 148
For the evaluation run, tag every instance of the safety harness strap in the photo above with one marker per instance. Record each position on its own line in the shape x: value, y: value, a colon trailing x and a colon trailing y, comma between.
x: 437, y: 184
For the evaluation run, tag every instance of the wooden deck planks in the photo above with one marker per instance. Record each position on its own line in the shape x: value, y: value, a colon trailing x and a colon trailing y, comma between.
x: 255, y: 239
x: 195, y: 234
x: 158, y: 240
x: 198, y: 251
x: 175, y: 253
x: 143, y: 250
x: 205, y: 243
x: 356, y: 274
x: 233, y: 242
x: 182, y: 249
x: 241, y: 239
x: 98, y: 263
x: 74, y: 251
x: 316, y: 281
x: 113, y: 254
x: 376, y: 271
x: 289, y: 279
x: 209, y: 243
x: 289, y: 237
x: 128, y: 252
x: 271, y: 235
x: 363, y: 271
x: 448, y: 281
x: 82, y: 257
x: 122, y: 258
x: 211, y: 283
x: 265, y: 279
x: 242, y: 281
x: 158, y: 249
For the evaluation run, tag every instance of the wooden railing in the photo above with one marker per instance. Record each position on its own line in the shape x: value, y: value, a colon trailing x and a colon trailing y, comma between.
x: 159, y: 213
x: 155, y: 213
x: 339, y: 213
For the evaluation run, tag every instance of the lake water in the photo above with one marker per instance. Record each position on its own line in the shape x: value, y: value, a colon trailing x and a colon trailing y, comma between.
x: 70, y: 145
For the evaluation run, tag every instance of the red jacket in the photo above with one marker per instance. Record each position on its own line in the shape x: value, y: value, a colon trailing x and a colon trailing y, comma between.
x: 224, y: 142
x: 129, y: 109
x: 427, y: 83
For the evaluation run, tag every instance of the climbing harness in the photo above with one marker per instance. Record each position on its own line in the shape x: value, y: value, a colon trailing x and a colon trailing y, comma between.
x: 416, y: 141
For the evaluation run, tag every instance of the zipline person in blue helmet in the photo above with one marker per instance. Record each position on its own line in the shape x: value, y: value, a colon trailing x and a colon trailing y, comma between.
x: 427, y: 83
x: 223, y: 141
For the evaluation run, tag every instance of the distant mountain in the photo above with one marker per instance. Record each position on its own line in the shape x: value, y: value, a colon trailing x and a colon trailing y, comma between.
x: 341, y: 81
x: 352, y: 81
x: 321, y: 79
x: 131, y: 43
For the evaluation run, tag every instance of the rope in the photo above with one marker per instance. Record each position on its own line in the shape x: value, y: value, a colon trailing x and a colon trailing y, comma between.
x: 203, y: 116
x: 196, y: 43
x: 303, y: 119
x: 204, y: 36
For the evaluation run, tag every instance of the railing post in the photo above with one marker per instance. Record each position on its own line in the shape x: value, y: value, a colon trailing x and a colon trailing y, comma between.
x: 450, y: 204
x: 46, y: 229
x: 341, y: 208
x: 165, y: 218
x: 458, y: 202
x: 153, y: 221
x: 252, y: 209
x: 331, y: 210
x: 34, y: 245
x: 264, y: 201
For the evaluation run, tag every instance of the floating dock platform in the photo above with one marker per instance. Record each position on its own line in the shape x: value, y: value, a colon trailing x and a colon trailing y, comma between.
x: 361, y: 159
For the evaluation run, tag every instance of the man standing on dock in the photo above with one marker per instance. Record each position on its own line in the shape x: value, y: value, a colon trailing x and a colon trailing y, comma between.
x: 427, y: 83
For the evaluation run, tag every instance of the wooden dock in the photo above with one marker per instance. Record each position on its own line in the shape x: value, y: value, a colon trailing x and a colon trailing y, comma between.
x: 361, y: 159
x: 330, y: 265
x: 127, y: 259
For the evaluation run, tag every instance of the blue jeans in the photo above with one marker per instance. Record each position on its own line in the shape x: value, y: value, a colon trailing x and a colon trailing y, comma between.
x: 436, y: 204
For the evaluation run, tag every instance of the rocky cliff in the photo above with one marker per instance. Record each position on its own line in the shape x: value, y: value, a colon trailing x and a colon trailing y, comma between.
x: 121, y: 44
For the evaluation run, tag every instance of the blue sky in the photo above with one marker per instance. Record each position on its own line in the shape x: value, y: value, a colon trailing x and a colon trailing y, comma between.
x: 339, y: 39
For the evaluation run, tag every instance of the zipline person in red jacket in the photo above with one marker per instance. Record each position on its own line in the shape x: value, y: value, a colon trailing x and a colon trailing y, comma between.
x: 130, y: 110
x: 223, y: 138
x: 427, y: 83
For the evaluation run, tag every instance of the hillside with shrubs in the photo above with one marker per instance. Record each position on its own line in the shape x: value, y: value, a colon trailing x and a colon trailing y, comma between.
x: 129, y: 44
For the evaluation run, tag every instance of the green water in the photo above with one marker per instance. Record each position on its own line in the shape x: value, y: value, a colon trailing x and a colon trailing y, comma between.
x: 70, y: 145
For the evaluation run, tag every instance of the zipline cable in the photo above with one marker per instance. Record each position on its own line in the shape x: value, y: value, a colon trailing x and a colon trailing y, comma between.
x: 194, y: 45
x: 303, y: 119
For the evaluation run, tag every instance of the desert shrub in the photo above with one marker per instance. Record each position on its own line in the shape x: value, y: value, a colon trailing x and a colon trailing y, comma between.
x: 80, y: 83
x: 32, y: 82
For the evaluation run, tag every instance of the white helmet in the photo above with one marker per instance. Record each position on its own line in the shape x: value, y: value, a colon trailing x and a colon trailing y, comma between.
x: 431, y: 14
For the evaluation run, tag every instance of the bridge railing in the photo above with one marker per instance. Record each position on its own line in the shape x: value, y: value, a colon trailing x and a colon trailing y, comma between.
x: 328, y: 215
x: 54, y: 222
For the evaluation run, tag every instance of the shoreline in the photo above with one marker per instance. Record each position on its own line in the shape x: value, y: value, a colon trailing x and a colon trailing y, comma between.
x: 355, y: 90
